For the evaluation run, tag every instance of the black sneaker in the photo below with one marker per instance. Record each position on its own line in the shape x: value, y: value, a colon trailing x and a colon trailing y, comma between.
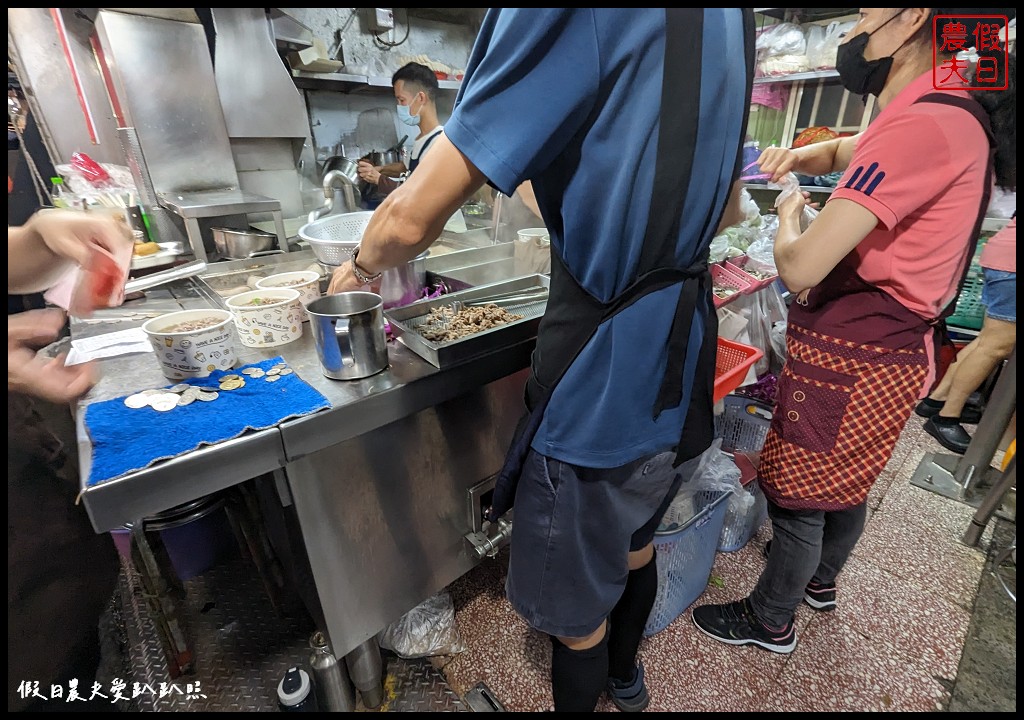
x: 735, y: 624
x: 820, y: 596
x: 631, y: 696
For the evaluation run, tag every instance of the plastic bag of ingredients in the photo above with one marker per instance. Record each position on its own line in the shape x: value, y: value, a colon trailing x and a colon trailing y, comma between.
x: 823, y: 43
x: 712, y: 471
x: 782, y: 49
x: 426, y: 630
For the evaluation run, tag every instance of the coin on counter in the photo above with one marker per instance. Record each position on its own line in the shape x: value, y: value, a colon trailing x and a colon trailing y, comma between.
x: 286, y: 371
x: 137, y: 401
x: 164, y: 403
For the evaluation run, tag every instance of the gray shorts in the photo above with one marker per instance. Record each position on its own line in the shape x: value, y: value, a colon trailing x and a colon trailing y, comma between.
x: 572, y: 531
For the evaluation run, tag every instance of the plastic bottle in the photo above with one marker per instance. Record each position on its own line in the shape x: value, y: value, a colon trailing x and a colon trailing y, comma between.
x: 294, y: 692
x: 334, y: 692
x: 58, y: 193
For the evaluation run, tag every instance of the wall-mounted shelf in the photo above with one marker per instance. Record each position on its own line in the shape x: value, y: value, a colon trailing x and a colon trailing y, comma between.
x: 793, y: 77
x: 386, y: 82
x: 342, y: 82
x: 804, y: 15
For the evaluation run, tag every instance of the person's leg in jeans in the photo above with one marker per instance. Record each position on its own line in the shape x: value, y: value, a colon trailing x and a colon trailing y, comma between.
x: 795, y: 556
x: 843, y: 529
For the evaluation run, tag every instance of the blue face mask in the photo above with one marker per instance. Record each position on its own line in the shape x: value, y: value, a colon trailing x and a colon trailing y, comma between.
x: 406, y: 116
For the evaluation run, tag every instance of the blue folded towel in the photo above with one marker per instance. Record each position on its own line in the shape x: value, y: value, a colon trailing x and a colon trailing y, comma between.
x: 125, y: 439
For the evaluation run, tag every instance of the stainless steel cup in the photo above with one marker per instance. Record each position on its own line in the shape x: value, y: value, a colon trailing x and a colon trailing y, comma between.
x: 349, y: 332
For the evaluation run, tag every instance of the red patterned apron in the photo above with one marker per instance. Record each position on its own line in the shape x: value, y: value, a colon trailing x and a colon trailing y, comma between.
x: 856, y: 366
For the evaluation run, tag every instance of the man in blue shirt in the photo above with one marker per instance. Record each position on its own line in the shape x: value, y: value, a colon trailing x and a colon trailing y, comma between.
x: 630, y: 124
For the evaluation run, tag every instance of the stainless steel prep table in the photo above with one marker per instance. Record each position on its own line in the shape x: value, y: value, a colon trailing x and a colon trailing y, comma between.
x: 381, y: 482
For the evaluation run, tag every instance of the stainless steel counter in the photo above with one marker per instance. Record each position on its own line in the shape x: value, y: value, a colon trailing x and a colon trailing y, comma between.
x: 381, y: 482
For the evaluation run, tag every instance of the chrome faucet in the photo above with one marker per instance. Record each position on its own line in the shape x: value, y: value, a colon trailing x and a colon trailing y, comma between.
x: 339, y: 195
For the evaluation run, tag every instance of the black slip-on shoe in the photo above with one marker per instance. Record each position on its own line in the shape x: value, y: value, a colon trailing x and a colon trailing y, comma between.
x: 952, y: 437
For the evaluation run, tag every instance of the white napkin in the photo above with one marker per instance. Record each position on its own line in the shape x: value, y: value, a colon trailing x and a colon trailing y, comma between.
x: 122, y: 342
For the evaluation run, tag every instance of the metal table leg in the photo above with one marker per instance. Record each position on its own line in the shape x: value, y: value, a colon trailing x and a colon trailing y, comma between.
x: 166, y: 598
x: 195, y: 238
x: 282, y: 236
x: 959, y: 478
x: 993, y: 499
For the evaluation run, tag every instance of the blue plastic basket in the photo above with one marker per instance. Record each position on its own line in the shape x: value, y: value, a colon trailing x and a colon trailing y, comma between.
x: 685, y: 559
x: 743, y: 424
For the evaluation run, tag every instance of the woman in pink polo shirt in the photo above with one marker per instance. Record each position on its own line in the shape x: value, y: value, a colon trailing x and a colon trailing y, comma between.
x: 874, y: 275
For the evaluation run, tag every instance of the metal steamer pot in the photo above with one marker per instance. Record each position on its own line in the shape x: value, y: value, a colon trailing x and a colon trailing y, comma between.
x: 404, y: 284
x: 384, y: 157
x: 242, y: 244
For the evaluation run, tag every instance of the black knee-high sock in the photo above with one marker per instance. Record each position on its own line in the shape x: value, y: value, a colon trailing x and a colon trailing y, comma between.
x: 629, y: 618
x: 578, y: 676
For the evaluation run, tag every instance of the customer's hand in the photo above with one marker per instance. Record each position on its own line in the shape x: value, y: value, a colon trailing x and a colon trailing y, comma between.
x: 75, y: 235
x: 368, y: 172
x: 31, y: 374
x: 777, y: 162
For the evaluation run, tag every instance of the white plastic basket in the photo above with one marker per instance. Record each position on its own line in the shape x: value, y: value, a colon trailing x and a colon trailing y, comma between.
x: 333, y: 237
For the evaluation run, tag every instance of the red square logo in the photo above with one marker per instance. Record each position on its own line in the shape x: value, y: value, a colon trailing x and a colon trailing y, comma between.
x: 987, y: 35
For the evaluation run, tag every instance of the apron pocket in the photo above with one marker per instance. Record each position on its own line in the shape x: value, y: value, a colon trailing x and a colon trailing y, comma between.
x: 810, y: 409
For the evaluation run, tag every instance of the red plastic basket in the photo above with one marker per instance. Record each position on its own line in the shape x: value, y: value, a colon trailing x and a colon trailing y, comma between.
x: 724, y: 277
x: 731, y: 366
x: 738, y: 266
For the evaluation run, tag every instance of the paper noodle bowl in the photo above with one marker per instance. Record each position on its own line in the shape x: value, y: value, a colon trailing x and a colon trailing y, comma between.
x: 267, y: 317
x: 192, y: 343
x: 306, y: 282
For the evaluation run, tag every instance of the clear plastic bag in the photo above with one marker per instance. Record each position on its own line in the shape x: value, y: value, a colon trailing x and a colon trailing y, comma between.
x: 714, y: 470
x: 762, y: 251
x: 426, y: 630
x: 823, y: 44
x: 789, y: 185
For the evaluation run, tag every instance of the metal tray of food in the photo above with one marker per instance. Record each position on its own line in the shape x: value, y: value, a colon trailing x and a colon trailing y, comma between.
x: 409, y: 323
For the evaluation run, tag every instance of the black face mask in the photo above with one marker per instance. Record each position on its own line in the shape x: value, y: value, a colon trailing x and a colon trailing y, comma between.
x: 861, y: 76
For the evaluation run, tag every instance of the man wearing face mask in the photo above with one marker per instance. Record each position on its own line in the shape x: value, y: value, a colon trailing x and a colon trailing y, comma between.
x: 874, y: 275
x: 415, y: 88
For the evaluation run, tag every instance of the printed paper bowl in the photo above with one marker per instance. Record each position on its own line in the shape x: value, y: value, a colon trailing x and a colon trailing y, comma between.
x: 307, y: 282
x: 267, y: 318
x: 192, y: 343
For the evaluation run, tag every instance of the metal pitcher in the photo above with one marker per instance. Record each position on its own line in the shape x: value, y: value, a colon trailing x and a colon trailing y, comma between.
x: 349, y: 332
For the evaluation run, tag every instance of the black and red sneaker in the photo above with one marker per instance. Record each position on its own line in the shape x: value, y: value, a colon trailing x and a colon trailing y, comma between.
x: 735, y: 624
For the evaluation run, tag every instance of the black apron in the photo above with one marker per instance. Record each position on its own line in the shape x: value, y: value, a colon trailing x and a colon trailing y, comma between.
x: 573, y: 315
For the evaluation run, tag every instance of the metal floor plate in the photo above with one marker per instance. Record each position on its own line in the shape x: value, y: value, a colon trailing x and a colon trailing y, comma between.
x: 242, y: 649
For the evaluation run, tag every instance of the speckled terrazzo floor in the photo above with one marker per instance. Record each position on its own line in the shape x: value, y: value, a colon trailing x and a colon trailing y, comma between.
x: 895, y: 642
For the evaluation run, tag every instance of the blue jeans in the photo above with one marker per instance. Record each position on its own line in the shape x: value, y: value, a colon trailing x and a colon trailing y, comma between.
x: 806, y: 545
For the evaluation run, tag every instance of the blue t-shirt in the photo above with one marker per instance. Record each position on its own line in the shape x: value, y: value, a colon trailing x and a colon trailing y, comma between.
x: 570, y: 99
